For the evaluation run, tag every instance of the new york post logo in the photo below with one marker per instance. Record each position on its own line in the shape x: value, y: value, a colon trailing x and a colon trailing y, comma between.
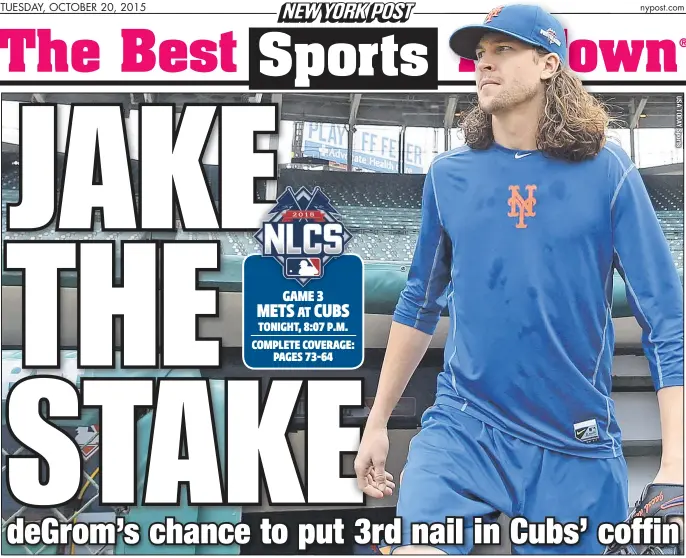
x: 303, y: 234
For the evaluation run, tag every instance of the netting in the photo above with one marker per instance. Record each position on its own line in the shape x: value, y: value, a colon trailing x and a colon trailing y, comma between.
x: 85, y: 508
x: 64, y: 515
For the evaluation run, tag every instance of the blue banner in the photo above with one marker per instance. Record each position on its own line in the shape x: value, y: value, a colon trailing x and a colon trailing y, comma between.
x: 312, y: 327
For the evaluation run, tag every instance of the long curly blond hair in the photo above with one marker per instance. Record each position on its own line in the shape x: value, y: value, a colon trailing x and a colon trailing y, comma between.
x: 572, y: 125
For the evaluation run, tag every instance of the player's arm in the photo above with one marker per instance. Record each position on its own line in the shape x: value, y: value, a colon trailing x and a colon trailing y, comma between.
x: 655, y: 293
x: 418, y: 310
x: 414, y: 322
x: 671, y: 402
x: 404, y: 351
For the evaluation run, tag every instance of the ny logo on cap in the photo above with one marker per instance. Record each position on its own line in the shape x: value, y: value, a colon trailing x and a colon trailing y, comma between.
x: 493, y: 13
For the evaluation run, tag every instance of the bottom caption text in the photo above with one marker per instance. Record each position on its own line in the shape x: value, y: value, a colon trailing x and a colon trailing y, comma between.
x: 453, y: 531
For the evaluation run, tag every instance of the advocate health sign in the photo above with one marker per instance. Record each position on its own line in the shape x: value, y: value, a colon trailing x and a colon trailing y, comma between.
x: 377, y: 151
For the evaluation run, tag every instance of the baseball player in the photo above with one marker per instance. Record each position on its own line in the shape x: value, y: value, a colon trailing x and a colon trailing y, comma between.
x: 521, y: 230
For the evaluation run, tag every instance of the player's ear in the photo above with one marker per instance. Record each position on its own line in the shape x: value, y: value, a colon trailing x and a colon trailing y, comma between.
x: 551, y: 63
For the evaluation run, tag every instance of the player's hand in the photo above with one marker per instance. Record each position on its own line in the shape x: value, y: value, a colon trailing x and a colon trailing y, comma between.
x: 370, y: 464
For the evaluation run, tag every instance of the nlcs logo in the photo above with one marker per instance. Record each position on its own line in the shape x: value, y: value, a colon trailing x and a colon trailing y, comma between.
x: 551, y: 36
x: 303, y: 234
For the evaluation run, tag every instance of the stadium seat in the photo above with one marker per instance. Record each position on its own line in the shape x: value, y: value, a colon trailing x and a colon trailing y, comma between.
x: 382, y: 211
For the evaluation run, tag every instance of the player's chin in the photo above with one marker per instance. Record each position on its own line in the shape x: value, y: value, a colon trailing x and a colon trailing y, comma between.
x: 487, y: 103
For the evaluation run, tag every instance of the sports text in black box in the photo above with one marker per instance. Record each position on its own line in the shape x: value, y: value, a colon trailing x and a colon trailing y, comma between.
x: 344, y: 58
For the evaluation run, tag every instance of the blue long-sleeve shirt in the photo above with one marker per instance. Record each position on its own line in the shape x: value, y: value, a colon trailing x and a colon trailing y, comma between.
x: 522, y: 248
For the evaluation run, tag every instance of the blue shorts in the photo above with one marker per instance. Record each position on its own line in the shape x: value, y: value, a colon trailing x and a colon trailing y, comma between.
x: 457, y: 466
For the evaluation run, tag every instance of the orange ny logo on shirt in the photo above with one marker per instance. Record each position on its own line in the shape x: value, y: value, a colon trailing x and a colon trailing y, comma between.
x: 493, y: 13
x: 521, y: 207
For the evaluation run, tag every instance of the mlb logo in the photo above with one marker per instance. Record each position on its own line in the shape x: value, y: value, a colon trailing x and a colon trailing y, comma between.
x: 303, y: 267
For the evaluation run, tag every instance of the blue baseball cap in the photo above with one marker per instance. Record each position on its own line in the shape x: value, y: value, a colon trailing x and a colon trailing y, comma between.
x: 530, y: 24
